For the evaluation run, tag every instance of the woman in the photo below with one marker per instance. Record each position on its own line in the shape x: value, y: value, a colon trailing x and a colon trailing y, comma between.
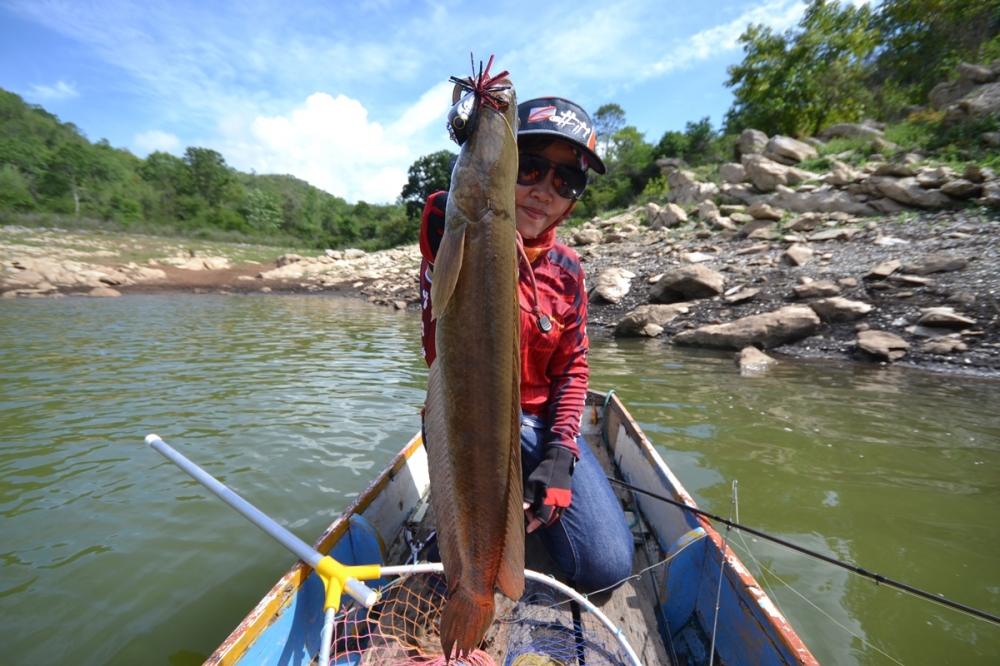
x: 566, y: 493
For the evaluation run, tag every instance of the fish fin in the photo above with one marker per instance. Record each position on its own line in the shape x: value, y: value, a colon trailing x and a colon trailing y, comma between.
x: 465, y: 619
x: 440, y: 469
x: 447, y: 266
x: 510, y: 576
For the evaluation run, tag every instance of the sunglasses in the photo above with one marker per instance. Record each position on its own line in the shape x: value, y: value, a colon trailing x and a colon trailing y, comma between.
x: 568, y: 182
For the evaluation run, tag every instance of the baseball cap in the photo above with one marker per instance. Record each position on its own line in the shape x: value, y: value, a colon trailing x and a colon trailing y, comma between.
x: 561, y: 119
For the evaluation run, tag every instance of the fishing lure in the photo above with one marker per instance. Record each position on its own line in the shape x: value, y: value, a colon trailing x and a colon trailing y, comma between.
x: 479, y: 89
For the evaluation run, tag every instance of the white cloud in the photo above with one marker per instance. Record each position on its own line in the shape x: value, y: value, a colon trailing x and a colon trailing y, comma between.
x: 331, y: 142
x: 153, y: 140
x: 777, y: 14
x: 59, y: 91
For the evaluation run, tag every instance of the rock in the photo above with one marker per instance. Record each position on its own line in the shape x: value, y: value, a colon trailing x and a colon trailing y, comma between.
x: 934, y: 178
x: 752, y: 142
x: 685, y: 188
x: 354, y: 253
x: 742, y: 193
x: 909, y: 192
x: 806, y: 222
x: 740, y: 295
x: 732, y: 173
x: 816, y: 289
x: 850, y: 131
x: 895, y: 170
x: 838, y: 309
x: 843, y: 233
x: 767, y: 330
x: 708, y: 212
x: 991, y: 194
x: 882, y: 344
x: 991, y: 139
x: 821, y: 200
x: 961, y: 189
x: 797, y: 255
x: 611, y: 285
x: 668, y: 215
x: 976, y: 73
x: 935, y: 263
x: 687, y: 283
x: 104, y: 292
x: 884, y: 269
x: 587, y: 236
x: 761, y: 211
x: 786, y: 150
x: 766, y: 174
x: 646, y: 319
x: 977, y: 174
x: 842, y: 174
x: 981, y: 102
x: 287, y: 259
x: 944, y: 317
x: 753, y: 361
x: 943, y: 346
x: 697, y: 257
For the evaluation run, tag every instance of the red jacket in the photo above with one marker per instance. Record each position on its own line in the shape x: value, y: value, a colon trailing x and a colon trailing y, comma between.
x: 554, y: 369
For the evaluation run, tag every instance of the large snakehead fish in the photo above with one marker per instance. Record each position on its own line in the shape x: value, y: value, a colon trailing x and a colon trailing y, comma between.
x: 472, y: 411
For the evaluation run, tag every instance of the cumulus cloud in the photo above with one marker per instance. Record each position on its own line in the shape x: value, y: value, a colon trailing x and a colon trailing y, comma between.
x: 331, y: 142
x: 52, y: 93
x: 153, y: 140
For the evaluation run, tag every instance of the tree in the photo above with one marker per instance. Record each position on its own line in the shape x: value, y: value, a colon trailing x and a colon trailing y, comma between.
x: 210, y: 175
x: 608, y: 120
x: 921, y: 42
x: 803, y: 80
x: 427, y: 175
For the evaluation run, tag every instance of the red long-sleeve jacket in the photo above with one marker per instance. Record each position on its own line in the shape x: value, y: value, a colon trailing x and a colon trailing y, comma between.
x: 554, y: 370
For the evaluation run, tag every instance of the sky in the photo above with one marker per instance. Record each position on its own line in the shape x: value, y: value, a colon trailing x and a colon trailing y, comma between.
x: 347, y: 94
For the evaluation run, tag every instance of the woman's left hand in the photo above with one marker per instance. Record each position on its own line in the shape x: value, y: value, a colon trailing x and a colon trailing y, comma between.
x: 549, y: 490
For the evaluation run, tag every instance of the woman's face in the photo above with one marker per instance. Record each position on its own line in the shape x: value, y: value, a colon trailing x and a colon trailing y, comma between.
x: 539, y: 206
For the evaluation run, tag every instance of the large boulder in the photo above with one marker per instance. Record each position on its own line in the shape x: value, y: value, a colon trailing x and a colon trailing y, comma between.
x: 786, y: 150
x: 767, y: 330
x: 685, y: 188
x: 732, y: 173
x: 611, y: 285
x: 908, y: 191
x: 667, y: 215
x: 686, y: 284
x: 766, y: 174
x: 838, y: 309
x: 850, y: 131
x: 752, y: 142
x: 821, y: 200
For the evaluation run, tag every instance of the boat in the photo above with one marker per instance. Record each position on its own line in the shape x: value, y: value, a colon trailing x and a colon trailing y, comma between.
x: 691, y: 602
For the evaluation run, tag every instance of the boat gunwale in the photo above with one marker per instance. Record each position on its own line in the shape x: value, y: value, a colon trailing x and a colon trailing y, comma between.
x: 785, y: 632
x: 231, y: 650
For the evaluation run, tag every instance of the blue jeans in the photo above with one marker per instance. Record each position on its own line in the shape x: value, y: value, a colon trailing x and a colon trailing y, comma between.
x: 591, y: 543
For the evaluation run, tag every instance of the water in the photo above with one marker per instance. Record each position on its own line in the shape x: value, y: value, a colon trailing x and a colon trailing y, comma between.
x: 108, y: 554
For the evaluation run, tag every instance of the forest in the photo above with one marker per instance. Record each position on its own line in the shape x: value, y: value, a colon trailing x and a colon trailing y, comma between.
x: 841, y: 63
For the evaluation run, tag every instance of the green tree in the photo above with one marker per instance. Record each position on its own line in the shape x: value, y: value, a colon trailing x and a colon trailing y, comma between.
x: 210, y: 175
x: 427, y: 175
x: 921, y: 42
x: 14, y: 192
x: 802, y: 80
x: 608, y: 120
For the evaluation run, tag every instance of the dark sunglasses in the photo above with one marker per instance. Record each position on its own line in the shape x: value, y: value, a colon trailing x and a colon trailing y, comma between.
x: 568, y: 182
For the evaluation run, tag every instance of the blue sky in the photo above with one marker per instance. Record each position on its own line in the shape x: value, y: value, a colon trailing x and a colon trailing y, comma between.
x: 346, y: 95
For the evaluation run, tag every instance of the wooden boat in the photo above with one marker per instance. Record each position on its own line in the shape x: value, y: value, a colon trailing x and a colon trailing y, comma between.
x: 667, y: 614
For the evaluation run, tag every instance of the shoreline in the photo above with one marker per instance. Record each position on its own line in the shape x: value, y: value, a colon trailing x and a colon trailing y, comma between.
x: 636, y: 257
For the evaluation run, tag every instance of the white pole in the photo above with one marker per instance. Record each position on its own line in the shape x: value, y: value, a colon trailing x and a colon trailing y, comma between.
x: 361, y: 592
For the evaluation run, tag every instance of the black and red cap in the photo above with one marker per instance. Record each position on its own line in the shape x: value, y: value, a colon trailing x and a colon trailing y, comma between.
x: 561, y: 119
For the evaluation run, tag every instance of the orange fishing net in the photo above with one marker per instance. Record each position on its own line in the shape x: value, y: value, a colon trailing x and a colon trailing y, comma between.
x: 538, y: 630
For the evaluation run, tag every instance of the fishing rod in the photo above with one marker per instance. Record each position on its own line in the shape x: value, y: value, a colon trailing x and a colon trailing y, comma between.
x: 878, y: 578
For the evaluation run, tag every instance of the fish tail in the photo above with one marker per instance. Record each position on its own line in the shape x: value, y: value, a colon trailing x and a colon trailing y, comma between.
x: 464, y: 621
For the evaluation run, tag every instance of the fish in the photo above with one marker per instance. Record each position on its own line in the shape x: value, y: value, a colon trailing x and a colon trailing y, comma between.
x: 472, y: 408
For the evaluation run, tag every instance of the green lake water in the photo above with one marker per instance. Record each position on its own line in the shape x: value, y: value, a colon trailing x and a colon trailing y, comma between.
x: 110, y: 555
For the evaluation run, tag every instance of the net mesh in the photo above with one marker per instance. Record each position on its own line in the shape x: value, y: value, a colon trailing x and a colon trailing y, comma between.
x: 544, y: 628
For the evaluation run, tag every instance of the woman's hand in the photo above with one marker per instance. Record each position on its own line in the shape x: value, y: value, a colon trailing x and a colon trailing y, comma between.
x: 549, y: 490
